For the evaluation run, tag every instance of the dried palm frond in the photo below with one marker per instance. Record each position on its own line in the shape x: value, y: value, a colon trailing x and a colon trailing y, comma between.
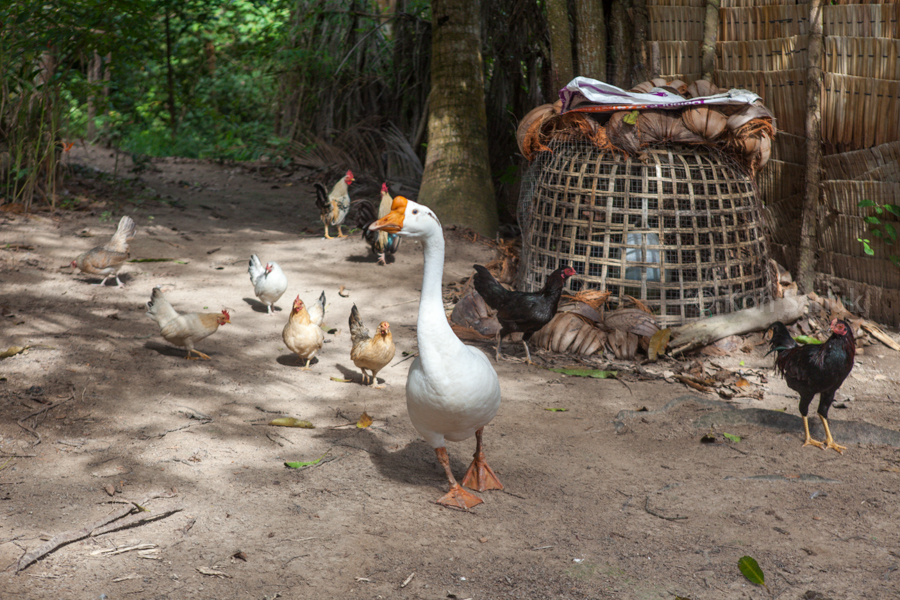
x: 593, y: 298
x: 469, y: 334
x: 638, y: 304
x: 657, y: 126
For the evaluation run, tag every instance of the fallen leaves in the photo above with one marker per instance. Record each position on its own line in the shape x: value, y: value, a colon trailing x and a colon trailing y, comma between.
x: 291, y: 422
x: 364, y: 421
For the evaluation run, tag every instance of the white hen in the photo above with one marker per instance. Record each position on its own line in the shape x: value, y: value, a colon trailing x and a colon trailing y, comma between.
x: 452, y: 390
x: 269, y: 282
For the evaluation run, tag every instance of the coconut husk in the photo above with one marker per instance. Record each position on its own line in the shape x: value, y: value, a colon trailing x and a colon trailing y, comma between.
x: 645, y: 87
x: 593, y: 298
x: 702, y: 88
x: 705, y: 122
x: 658, y: 126
x: 765, y: 151
x: 679, y: 86
x: 569, y: 333
x: 659, y: 82
x: 621, y: 135
x: 748, y: 113
x: 528, y: 134
x: 473, y: 313
x: 632, y: 320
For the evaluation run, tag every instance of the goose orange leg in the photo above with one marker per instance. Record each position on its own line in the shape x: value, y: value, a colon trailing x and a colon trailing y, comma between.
x: 457, y: 497
x: 480, y: 476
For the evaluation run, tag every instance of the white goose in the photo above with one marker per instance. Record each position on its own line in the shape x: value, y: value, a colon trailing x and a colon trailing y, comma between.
x: 452, y: 390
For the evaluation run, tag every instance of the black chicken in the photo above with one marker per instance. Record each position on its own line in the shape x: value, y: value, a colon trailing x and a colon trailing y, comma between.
x: 812, y: 369
x: 521, y: 311
x: 381, y: 242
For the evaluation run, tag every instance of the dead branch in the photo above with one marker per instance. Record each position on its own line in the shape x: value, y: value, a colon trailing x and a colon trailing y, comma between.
x: 22, y: 424
x: 74, y: 535
x: 706, y: 331
x: 658, y: 515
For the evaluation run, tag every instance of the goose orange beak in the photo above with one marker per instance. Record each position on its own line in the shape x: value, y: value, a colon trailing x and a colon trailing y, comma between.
x: 393, y: 221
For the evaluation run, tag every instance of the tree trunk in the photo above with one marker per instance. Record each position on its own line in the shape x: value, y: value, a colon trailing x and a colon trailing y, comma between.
x: 170, y: 77
x: 642, y: 66
x: 710, y: 36
x: 456, y: 183
x: 93, y: 76
x: 562, y: 71
x: 621, y: 46
x: 806, y: 268
x: 590, y: 26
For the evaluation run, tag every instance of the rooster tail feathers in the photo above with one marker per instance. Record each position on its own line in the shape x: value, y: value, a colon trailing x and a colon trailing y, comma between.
x: 255, y: 269
x: 358, y: 331
x: 321, y: 196
x: 123, y: 235
x: 488, y: 287
x: 317, y: 311
x: 393, y: 243
x: 159, y: 308
x: 365, y: 214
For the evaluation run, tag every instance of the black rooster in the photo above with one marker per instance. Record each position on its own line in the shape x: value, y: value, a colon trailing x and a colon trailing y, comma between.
x: 381, y: 242
x: 521, y: 311
x: 814, y: 369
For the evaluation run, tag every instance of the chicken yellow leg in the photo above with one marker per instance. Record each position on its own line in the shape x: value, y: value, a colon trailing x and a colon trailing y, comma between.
x: 829, y: 441
x: 809, y: 441
x: 457, y: 497
x: 480, y: 476
x: 340, y: 235
x: 200, y: 355
x: 327, y: 237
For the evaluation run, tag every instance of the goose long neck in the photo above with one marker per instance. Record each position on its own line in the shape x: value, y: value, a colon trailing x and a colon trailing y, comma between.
x: 432, y: 326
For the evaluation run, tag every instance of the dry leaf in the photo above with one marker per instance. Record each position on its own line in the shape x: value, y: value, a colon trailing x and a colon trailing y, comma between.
x: 212, y: 572
x: 291, y: 422
x: 342, y: 293
x: 658, y: 343
x: 364, y: 421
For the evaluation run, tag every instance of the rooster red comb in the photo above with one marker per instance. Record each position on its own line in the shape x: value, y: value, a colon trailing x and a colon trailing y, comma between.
x: 349, y: 177
x: 225, y: 312
x: 384, y: 188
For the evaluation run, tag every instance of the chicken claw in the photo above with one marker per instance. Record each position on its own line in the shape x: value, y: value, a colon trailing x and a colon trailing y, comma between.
x: 200, y: 355
x: 829, y: 441
x: 340, y: 235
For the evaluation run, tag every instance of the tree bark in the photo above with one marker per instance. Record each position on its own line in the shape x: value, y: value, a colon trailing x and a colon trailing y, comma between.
x: 806, y: 268
x: 590, y: 27
x: 170, y: 77
x: 621, y: 43
x: 456, y: 182
x: 562, y: 71
x: 710, y: 36
x: 642, y: 66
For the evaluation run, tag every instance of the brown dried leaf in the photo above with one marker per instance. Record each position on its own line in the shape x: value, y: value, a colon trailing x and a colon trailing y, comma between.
x: 658, y: 343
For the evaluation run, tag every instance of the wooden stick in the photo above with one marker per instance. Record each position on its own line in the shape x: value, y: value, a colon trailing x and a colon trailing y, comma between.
x: 74, y: 535
x: 710, y: 36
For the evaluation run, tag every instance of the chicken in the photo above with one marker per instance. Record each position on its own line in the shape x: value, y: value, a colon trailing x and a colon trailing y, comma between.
x: 381, y: 242
x: 107, y: 260
x: 335, y: 205
x: 184, y: 330
x: 303, y: 333
x: 367, y: 352
x: 269, y: 283
x: 521, y: 311
x: 812, y: 369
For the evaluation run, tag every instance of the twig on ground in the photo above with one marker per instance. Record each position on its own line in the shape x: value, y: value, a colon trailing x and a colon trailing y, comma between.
x: 74, y: 535
x: 400, y: 303
x: 661, y: 516
x: 41, y: 411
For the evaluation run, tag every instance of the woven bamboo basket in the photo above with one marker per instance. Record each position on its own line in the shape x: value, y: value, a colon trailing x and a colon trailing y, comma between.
x: 681, y: 231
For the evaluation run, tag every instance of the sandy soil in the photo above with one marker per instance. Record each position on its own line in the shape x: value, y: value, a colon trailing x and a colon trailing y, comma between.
x: 600, y: 501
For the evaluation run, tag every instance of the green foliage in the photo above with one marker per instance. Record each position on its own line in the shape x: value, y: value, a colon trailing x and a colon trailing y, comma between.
x: 880, y: 228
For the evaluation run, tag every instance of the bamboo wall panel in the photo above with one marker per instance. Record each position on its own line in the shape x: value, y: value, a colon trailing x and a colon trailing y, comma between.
x: 676, y: 23
x: 842, y: 197
x: 678, y: 59
x: 859, y: 112
x: 869, y: 164
x: 692, y: 3
x: 872, y: 301
x: 752, y: 3
x: 779, y: 54
x: 862, y: 20
x: 783, y: 92
x: 878, y: 58
x: 763, y: 22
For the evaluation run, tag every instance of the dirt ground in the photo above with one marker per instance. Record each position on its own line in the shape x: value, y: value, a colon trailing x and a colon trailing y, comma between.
x: 600, y: 501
